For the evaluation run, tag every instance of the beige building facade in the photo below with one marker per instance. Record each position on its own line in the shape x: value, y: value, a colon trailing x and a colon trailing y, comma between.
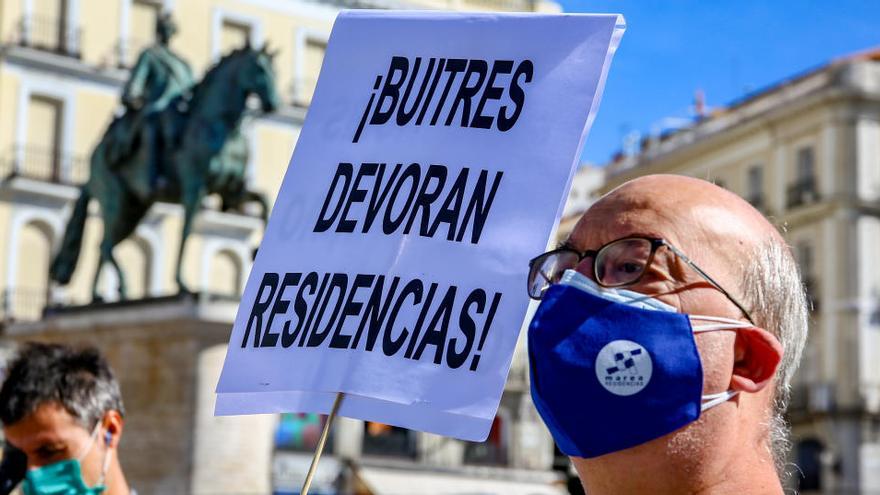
x: 806, y: 152
x: 63, y: 64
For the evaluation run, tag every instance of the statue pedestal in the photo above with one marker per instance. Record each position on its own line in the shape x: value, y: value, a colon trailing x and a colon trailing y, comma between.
x: 167, y: 354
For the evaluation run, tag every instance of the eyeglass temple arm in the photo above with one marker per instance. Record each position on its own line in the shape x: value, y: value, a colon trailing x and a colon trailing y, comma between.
x: 710, y: 279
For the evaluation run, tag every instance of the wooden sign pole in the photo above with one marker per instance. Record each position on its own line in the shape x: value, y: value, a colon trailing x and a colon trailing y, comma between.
x: 320, y: 447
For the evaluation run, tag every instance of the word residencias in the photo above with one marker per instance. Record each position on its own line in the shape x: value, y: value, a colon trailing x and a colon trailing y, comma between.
x: 374, y: 313
x: 398, y: 198
x: 478, y: 93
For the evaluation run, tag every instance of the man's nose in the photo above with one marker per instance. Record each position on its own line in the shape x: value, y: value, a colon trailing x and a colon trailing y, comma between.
x: 585, y: 267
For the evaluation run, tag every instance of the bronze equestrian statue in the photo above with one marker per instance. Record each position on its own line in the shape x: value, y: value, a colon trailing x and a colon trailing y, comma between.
x: 157, y: 78
x: 195, y: 134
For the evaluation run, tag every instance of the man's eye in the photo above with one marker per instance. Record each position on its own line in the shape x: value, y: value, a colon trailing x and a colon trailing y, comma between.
x: 630, y: 267
x: 47, y: 453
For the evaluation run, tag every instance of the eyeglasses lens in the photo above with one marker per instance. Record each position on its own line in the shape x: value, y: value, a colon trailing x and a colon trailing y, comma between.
x: 547, y: 270
x: 622, y: 262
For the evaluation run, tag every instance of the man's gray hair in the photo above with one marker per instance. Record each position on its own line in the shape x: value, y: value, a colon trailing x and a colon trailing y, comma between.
x: 80, y: 380
x: 774, y: 292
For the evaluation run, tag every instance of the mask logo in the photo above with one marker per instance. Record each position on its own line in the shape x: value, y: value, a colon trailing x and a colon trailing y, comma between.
x: 623, y: 367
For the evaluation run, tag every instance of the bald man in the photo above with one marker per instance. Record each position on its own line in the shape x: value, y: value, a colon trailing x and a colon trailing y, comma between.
x: 671, y: 322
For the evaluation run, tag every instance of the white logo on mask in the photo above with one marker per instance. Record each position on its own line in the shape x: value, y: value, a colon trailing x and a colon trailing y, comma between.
x: 623, y: 367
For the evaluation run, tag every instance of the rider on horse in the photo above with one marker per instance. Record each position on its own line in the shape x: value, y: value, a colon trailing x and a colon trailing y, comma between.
x: 159, y: 78
x: 196, y: 137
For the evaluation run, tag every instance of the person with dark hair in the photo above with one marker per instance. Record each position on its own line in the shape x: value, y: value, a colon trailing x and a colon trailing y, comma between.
x: 61, y: 407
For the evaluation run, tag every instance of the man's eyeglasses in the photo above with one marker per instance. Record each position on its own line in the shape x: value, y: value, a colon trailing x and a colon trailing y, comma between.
x: 616, y: 264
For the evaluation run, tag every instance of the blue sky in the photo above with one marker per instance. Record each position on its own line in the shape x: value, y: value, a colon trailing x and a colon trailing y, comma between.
x: 726, y: 48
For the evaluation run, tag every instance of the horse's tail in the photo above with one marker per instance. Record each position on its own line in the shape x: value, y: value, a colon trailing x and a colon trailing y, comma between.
x: 64, y: 263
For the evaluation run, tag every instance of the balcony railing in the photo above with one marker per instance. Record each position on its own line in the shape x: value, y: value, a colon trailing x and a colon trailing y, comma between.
x: 22, y: 304
x: 48, y: 165
x: 802, y: 192
x: 811, y: 396
x: 44, y: 164
x: 49, y: 34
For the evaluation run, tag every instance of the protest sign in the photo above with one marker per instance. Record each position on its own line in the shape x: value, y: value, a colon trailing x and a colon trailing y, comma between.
x: 433, y: 164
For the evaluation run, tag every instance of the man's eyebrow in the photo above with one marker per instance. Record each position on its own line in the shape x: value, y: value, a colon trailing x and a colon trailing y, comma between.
x: 566, y: 244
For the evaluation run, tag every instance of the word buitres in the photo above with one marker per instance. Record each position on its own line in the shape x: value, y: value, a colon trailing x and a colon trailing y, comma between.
x: 366, y: 311
x: 448, y: 91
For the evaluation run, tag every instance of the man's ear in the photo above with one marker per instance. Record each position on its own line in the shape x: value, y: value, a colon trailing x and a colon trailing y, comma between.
x: 757, y: 354
x: 113, y: 427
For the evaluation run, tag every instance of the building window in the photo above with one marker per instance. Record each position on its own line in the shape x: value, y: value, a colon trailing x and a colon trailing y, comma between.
x: 388, y: 441
x: 300, y: 432
x: 233, y: 30
x: 805, y: 165
x: 27, y: 297
x: 311, y: 50
x: 48, y: 28
x: 803, y: 190
x: 804, y: 254
x: 809, y: 472
x: 41, y: 156
x: 314, y: 57
x: 756, y: 186
x: 493, y: 451
x: 233, y: 35
x: 142, y: 30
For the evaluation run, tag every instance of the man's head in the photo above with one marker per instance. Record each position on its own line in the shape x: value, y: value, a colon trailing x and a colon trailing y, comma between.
x: 166, y: 28
x: 58, y: 403
x: 745, y: 257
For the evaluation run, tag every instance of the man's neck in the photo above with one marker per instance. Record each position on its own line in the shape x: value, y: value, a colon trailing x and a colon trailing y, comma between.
x: 116, y: 483
x: 750, y: 473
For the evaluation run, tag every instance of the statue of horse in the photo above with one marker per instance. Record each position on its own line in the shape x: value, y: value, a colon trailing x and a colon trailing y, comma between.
x: 203, y: 156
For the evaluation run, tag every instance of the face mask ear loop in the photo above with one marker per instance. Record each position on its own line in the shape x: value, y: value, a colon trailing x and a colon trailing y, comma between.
x: 720, y: 319
x: 105, y: 467
x: 92, y: 438
x: 106, y: 463
x: 718, y: 326
x: 713, y: 400
x: 718, y: 323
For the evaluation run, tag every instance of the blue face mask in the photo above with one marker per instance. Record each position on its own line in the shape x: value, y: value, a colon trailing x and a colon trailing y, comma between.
x: 612, y: 369
x: 65, y: 477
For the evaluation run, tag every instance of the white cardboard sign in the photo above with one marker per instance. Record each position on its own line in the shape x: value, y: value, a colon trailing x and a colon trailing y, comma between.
x: 434, y: 162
